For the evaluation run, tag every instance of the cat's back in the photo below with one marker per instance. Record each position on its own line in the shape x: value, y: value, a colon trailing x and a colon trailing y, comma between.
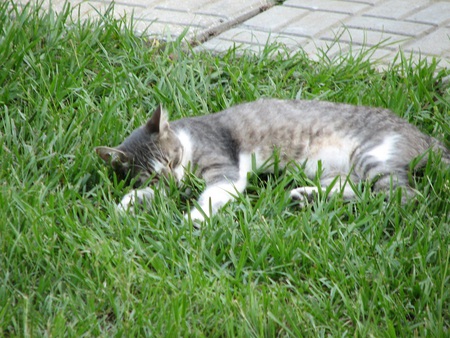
x: 303, y: 129
x: 276, y: 113
x: 310, y: 110
x: 278, y: 122
x: 293, y: 117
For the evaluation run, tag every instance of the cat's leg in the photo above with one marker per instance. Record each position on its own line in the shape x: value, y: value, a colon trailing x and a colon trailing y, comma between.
x: 304, y: 195
x: 388, y: 174
x: 222, y: 186
x: 215, y: 197
x: 135, y: 197
x: 390, y: 181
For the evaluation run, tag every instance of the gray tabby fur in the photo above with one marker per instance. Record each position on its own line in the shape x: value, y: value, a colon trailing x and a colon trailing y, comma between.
x: 351, y: 142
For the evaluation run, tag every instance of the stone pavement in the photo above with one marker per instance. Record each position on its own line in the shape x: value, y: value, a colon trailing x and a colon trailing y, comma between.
x: 420, y: 27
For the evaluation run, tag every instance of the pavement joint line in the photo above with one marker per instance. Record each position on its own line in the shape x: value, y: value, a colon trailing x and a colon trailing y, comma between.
x: 220, y: 16
x: 171, y: 9
x: 324, y: 10
x: 423, y: 23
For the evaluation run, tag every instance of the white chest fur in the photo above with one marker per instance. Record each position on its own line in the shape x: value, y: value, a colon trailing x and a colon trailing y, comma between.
x: 186, y: 142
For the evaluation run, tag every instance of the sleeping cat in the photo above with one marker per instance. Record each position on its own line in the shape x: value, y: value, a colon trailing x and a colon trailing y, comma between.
x: 351, y: 142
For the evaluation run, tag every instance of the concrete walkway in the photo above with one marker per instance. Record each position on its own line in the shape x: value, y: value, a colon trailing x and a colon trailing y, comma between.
x: 420, y: 27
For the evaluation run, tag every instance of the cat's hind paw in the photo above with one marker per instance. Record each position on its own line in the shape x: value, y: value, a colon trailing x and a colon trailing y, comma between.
x: 134, y: 198
x: 304, y: 195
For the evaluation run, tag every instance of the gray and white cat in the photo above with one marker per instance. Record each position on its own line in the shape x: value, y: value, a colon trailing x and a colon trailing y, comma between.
x: 351, y: 142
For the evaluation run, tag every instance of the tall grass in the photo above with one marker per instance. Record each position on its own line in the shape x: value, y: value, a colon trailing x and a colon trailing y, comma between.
x: 70, y: 266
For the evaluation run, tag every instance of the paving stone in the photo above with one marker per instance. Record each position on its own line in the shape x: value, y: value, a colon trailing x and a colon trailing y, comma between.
x: 58, y: 5
x: 89, y: 10
x: 376, y: 55
x: 183, y: 6
x: 365, y: 38
x: 232, y: 9
x: 314, y: 23
x: 369, y: 2
x: 396, y: 9
x: 216, y: 45
x: 327, y: 5
x: 437, y: 13
x: 245, y: 36
x: 317, y: 48
x: 134, y: 6
x: 275, y: 18
x: 222, y: 46
x: 291, y: 42
x: 130, y: 3
x: 390, y: 26
x: 160, y: 30
x: 178, y: 17
x: 436, y: 43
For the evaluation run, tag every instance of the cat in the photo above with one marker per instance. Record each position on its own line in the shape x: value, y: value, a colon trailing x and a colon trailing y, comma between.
x: 347, y: 142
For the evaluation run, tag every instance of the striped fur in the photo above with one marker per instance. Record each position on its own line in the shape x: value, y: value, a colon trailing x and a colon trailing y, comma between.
x: 351, y: 142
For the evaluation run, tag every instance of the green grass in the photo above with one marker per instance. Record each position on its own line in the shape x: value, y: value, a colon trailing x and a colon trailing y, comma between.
x: 69, y: 266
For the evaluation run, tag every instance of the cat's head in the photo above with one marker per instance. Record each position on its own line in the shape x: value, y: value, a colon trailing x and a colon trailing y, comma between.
x: 150, y: 152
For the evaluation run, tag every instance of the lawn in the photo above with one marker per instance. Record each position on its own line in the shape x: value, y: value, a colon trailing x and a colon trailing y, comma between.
x: 71, y: 266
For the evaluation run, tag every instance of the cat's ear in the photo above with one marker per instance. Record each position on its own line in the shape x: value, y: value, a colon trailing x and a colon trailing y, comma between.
x: 112, y: 156
x: 159, y: 122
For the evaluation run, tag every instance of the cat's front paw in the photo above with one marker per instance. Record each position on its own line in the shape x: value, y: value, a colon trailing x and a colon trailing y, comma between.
x: 126, y: 204
x: 304, y: 195
x: 197, y: 217
x: 134, y: 198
